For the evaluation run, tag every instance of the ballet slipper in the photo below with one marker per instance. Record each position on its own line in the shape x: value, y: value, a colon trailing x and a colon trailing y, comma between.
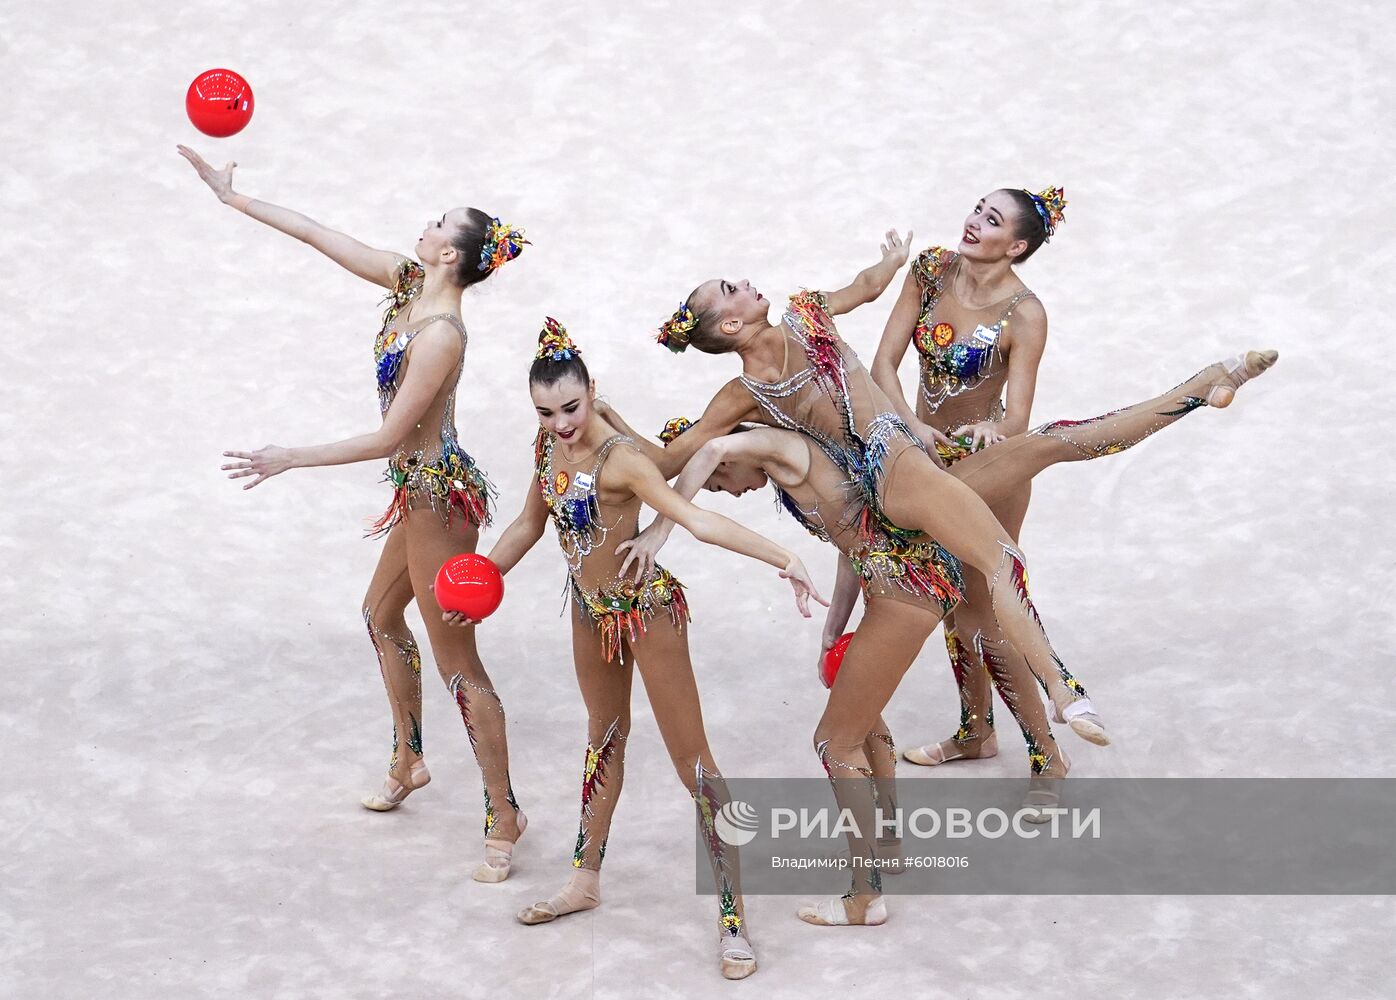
x: 1081, y: 716
x: 1044, y: 794
x: 582, y: 892
x: 735, y: 955
x: 1239, y: 370
x: 935, y: 754
x: 499, y: 855
x: 834, y: 913
x: 417, y: 777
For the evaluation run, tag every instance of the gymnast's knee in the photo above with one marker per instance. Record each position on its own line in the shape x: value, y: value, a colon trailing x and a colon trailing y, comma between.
x: 687, y: 764
x: 830, y: 742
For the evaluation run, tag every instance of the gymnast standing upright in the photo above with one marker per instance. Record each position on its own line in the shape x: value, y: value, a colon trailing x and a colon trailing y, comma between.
x: 979, y: 334
x: 590, y: 482
x: 440, y: 497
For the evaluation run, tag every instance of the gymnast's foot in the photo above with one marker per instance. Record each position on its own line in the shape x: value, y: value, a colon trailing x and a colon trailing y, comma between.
x: 499, y: 853
x: 850, y: 909
x: 1235, y: 373
x: 1044, y: 790
x: 582, y: 892
x: 971, y: 748
x: 735, y: 954
x: 1084, y: 721
x: 394, y: 791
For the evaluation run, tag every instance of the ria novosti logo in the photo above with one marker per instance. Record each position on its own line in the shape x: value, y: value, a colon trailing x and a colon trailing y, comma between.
x: 736, y: 823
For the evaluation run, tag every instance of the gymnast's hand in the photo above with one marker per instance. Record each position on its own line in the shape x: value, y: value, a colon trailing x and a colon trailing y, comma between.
x: 263, y: 463
x: 825, y: 644
x: 981, y: 435
x: 221, y: 181
x: 641, y: 550
x: 895, y: 250
x: 930, y: 437
x: 453, y: 617
x: 799, y: 579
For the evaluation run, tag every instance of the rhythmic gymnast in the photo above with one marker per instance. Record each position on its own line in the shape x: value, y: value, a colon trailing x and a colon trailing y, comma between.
x: 591, y: 482
x: 910, y: 583
x: 441, y: 499
x: 979, y: 334
x: 799, y: 375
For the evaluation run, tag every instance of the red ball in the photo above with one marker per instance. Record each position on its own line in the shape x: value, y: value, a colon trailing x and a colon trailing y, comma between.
x: 833, y: 659
x: 219, y: 103
x: 471, y: 584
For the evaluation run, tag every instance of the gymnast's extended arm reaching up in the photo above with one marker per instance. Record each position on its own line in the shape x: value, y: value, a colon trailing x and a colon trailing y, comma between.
x: 377, y: 266
x: 872, y: 281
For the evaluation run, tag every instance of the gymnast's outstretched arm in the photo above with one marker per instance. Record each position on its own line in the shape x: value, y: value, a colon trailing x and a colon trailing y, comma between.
x: 871, y: 281
x: 377, y: 266
x: 435, y: 353
x: 777, y: 453
x: 638, y: 474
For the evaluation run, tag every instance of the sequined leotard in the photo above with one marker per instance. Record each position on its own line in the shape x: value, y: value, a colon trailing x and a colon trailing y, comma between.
x: 428, y: 464
x: 825, y: 393
x: 902, y: 568
x: 616, y: 607
x: 963, y: 369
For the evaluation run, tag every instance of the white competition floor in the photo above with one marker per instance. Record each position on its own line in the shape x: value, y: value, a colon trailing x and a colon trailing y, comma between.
x: 189, y: 709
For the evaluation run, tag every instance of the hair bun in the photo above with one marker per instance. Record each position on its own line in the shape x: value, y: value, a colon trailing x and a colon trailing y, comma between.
x: 1050, y: 204
x: 502, y: 244
x: 675, y: 332
x: 554, y: 343
x: 674, y: 428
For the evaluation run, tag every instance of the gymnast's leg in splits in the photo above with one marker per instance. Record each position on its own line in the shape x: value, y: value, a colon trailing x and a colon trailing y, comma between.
x: 965, y: 630
x: 999, y: 473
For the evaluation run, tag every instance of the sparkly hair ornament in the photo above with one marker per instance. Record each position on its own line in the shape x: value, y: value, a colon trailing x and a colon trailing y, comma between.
x: 678, y: 328
x: 554, y: 343
x: 502, y: 244
x: 1050, y: 203
x: 674, y: 428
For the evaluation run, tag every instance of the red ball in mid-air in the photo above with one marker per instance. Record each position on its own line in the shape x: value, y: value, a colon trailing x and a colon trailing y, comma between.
x: 471, y: 584
x: 833, y: 659
x: 219, y: 103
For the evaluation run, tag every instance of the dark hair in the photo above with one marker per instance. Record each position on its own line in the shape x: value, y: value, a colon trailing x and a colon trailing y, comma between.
x: 557, y: 358
x: 548, y: 370
x: 469, y: 240
x: 706, y: 336
x: 1029, y: 224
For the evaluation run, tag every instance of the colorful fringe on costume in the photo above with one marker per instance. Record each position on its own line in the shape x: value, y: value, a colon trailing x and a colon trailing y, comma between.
x: 625, y: 608
x: 453, y: 484
x: 924, y: 569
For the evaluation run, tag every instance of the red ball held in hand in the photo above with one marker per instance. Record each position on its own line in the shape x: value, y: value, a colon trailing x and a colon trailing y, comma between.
x: 833, y: 659
x: 471, y: 584
x: 219, y: 103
